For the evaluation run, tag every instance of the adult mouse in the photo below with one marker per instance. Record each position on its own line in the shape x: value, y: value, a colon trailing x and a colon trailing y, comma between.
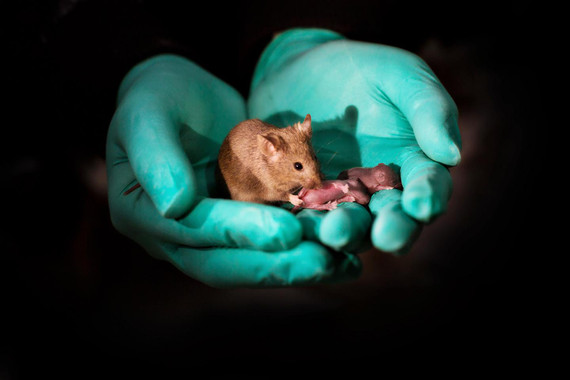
x: 263, y: 163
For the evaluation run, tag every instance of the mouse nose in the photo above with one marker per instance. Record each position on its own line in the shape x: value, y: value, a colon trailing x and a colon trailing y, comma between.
x: 314, y: 183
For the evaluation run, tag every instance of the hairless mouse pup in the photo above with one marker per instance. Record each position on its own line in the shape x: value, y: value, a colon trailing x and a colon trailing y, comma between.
x: 380, y: 177
x: 262, y: 163
x: 352, y: 185
x: 332, y: 193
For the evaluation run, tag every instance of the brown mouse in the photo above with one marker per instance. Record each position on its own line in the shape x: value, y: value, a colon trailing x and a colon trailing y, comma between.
x: 262, y: 163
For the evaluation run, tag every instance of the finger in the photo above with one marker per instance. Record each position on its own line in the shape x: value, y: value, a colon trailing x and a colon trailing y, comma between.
x: 342, y: 229
x: 307, y: 263
x: 427, y: 187
x: 149, y: 138
x: 223, y: 222
x: 160, y: 164
x: 428, y: 107
x: 211, y: 223
x: 393, y: 230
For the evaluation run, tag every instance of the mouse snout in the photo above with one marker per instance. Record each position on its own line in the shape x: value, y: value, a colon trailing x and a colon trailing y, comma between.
x: 313, y: 183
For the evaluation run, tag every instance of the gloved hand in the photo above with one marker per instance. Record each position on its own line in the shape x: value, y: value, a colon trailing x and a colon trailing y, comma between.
x: 369, y: 104
x: 165, y: 135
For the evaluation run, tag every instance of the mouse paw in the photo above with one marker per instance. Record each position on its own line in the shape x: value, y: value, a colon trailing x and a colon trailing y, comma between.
x: 295, y: 200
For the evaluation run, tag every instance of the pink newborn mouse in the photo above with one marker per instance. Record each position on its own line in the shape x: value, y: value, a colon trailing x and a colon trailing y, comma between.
x: 380, y: 177
x: 353, y: 185
x: 331, y: 193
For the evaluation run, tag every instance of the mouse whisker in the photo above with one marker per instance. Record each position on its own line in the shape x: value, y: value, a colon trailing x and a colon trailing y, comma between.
x: 295, y: 190
x: 331, y: 158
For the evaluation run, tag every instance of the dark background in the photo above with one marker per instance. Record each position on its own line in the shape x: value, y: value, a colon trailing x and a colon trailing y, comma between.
x: 78, y: 298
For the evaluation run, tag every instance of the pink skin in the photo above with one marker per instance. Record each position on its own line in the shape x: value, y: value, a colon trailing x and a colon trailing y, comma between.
x: 380, y: 177
x: 353, y: 185
x: 332, y: 193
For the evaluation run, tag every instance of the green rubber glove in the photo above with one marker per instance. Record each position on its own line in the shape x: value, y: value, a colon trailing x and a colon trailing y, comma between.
x: 369, y: 104
x: 162, y: 149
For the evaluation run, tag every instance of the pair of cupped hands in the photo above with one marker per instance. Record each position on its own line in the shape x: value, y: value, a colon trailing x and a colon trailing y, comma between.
x: 369, y: 104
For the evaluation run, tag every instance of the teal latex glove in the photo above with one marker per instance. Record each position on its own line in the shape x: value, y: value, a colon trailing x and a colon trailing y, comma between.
x: 369, y: 104
x: 165, y: 135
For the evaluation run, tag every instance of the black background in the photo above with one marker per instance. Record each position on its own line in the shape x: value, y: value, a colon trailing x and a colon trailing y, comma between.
x: 79, y: 299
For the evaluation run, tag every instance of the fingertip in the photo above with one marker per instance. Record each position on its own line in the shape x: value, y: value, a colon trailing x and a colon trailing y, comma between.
x: 427, y: 187
x: 310, y: 220
x: 447, y: 154
x: 178, y: 204
x: 427, y: 192
x: 453, y: 155
x: 175, y: 197
x: 288, y: 231
x: 434, y: 121
x: 393, y: 230
x: 423, y: 207
x: 345, y: 227
x: 169, y: 181
x: 335, y: 230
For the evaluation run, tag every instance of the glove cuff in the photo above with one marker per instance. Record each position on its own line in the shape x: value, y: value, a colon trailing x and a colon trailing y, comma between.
x: 288, y: 45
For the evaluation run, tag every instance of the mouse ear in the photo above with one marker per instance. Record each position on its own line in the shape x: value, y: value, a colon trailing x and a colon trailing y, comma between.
x: 305, y: 126
x: 269, y: 144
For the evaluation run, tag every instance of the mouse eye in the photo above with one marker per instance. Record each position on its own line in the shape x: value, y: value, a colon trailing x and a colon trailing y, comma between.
x: 298, y: 166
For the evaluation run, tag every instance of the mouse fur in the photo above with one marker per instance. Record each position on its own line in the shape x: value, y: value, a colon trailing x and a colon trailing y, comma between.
x: 262, y: 163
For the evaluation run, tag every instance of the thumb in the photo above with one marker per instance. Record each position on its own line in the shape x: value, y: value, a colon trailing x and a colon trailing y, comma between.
x: 156, y: 155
